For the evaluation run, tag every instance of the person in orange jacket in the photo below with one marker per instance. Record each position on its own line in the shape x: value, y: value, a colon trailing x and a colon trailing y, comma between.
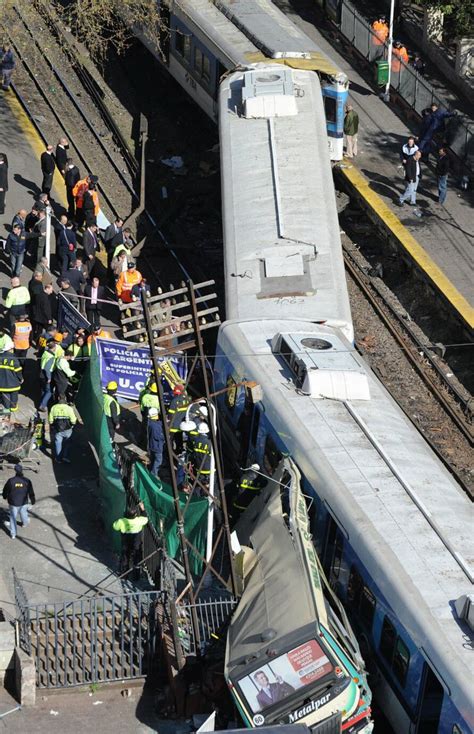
x: 78, y: 192
x: 399, y: 54
x: 22, y: 338
x: 90, y: 202
x: 126, y: 282
x: 381, y: 31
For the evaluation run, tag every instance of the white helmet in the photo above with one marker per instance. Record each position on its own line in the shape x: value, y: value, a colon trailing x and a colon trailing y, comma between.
x: 203, y: 428
x: 203, y: 410
x: 153, y: 413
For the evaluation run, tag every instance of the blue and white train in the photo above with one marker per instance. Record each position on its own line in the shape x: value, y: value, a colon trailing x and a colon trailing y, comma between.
x: 203, y: 40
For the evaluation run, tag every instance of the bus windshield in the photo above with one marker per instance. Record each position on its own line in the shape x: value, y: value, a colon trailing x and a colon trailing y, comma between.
x: 276, y: 680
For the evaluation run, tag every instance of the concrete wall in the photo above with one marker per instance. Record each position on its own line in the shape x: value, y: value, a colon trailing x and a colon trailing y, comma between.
x: 7, y: 647
x: 25, y: 678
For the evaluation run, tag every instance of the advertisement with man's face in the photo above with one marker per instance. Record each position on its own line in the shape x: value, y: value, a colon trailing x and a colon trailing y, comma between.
x: 284, y: 675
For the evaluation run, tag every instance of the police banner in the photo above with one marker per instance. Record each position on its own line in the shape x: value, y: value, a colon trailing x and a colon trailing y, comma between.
x: 69, y: 317
x: 129, y: 365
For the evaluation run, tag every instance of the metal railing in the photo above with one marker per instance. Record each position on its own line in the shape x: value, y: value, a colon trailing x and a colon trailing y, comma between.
x: 22, y: 614
x: 416, y: 91
x: 212, y: 616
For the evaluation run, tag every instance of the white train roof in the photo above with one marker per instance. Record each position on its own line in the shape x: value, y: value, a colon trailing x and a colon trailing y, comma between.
x: 393, y: 498
x: 282, y: 245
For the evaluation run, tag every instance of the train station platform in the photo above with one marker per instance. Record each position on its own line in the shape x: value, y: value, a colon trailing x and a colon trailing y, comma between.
x: 442, y: 239
x: 61, y: 554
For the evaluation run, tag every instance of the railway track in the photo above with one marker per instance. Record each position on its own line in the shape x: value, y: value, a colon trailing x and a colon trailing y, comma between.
x: 456, y: 406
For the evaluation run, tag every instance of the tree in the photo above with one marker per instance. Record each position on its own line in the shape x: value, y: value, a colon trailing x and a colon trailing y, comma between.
x: 461, y: 13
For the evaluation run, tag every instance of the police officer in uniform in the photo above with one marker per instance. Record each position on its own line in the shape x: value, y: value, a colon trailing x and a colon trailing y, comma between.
x: 17, y: 491
x: 131, y: 527
x: 10, y: 381
x: 176, y: 414
x: 112, y: 408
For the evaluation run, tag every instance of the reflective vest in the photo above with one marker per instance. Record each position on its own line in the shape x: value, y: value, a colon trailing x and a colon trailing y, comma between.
x: 78, y: 192
x: 10, y: 373
x: 148, y: 400
x: 399, y: 55
x: 62, y: 417
x: 202, y: 449
x: 249, y: 486
x: 79, y: 353
x: 130, y: 525
x: 18, y: 296
x: 49, y: 361
x: 177, y: 411
x: 103, y: 334
x: 109, y: 400
x: 122, y: 248
x: 21, y: 335
x: 127, y: 280
x: 381, y: 32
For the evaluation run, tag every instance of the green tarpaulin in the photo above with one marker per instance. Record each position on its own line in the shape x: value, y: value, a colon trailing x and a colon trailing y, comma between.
x: 89, y: 402
x: 159, y: 504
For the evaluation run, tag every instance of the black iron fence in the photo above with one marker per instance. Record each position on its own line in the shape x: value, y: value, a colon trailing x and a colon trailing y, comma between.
x: 212, y: 615
x: 414, y: 89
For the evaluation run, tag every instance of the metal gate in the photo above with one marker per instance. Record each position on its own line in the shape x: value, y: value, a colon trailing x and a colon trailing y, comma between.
x: 90, y: 640
x: 211, y: 616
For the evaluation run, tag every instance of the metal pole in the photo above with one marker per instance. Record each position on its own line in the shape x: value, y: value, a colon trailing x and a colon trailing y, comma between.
x: 174, y: 484
x: 386, y: 95
x: 47, y: 249
x: 220, y: 477
x: 212, y: 486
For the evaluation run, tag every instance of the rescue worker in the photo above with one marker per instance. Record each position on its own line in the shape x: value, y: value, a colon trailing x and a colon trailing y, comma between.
x: 62, y: 420
x: 201, y: 453
x: 249, y: 486
x: 399, y: 54
x: 22, y: 338
x: 50, y: 355
x: 156, y: 441
x: 6, y: 342
x: 78, y: 192
x: 98, y: 333
x: 148, y: 398
x: 63, y: 375
x: 90, y: 203
x: 127, y: 280
x: 17, y: 298
x: 131, y: 527
x: 112, y: 408
x: 176, y: 414
x: 10, y: 381
x: 380, y: 31
x: 80, y: 353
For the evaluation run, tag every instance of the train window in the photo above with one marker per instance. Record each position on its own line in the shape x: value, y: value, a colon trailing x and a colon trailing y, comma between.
x: 401, y: 661
x: 330, y: 109
x: 255, y: 426
x: 183, y: 44
x: 206, y: 68
x: 336, y: 563
x: 272, y: 456
x: 354, y: 588
x: 367, y: 608
x: 387, y: 640
x: 187, y: 48
x: 198, y: 60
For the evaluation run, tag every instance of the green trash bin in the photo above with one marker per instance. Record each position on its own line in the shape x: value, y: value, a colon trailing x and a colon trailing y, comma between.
x: 381, y: 72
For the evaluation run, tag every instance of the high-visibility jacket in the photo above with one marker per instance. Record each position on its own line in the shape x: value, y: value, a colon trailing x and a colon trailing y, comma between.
x: 399, y: 55
x: 127, y: 280
x: 21, y: 335
x: 6, y: 343
x: 19, y: 296
x: 79, y: 190
x: 381, y: 33
x: 62, y: 375
x: 111, y: 409
x: 148, y: 400
x: 122, y: 248
x: 201, y: 457
x: 177, y: 411
x: 130, y: 525
x: 10, y: 373
x: 103, y: 334
x: 62, y: 417
x: 48, y: 362
x: 78, y: 352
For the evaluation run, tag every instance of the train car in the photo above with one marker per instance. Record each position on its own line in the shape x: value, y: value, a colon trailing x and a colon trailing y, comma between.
x: 291, y: 655
x: 282, y: 244
x: 202, y: 40
x: 391, y: 525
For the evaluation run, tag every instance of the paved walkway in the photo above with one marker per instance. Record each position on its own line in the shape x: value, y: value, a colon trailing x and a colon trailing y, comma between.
x: 446, y: 232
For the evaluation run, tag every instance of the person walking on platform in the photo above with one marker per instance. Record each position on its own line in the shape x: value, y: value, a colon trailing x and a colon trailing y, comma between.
x: 22, y: 338
x: 62, y: 420
x: 47, y: 169
x: 91, y: 247
x: 40, y: 231
x: 131, y: 527
x: 20, y: 219
x: 408, y: 149
x: 176, y: 414
x: 90, y: 203
x: 68, y: 292
x: 10, y: 381
x: 17, y: 491
x: 95, y: 294
x: 433, y: 122
x: 3, y: 181
x: 126, y: 282
x: 412, y: 177
x: 78, y: 192
x: 66, y: 245
x: 442, y: 171
x: 15, y: 246
x: 62, y: 155
x: 17, y: 301
x: 155, y: 441
x: 351, y: 129
x: 112, y: 408
x: 41, y: 311
x: 71, y: 177
x: 49, y: 358
x: 7, y: 64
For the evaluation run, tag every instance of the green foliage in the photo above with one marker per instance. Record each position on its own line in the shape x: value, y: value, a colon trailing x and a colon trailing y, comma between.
x: 460, y: 12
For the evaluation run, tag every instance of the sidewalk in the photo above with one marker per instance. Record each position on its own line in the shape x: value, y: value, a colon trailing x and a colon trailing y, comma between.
x: 446, y: 232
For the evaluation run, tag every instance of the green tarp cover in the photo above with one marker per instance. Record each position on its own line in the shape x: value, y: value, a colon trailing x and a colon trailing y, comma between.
x: 90, y: 404
x: 158, y: 500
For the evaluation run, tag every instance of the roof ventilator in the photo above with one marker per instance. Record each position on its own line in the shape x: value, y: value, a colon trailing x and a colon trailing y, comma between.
x: 268, y: 93
x: 464, y: 607
x: 324, y: 366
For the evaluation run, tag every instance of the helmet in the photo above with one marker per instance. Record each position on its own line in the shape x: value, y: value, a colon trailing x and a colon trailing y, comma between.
x: 112, y: 385
x: 203, y: 428
x: 203, y: 410
x: 178, y: 390
x: 153, y: 413
x: 153, y: 388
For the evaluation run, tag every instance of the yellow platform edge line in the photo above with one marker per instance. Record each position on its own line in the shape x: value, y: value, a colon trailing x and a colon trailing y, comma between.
x: 35, y: 141
x: 410, y: 244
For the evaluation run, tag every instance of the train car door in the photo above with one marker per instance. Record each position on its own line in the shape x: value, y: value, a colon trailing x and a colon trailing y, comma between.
x: 430, y: 703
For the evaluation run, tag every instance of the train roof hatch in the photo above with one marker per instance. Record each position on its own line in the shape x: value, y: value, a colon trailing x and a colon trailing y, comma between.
x: 268, y: 93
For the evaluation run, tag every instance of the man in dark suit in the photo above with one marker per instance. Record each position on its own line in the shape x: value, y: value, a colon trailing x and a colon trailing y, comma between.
x: 47, y: 169
x: 71, y: 177
x: 271, y: 693
x: 90, y: 244
x: 62, y: 155
x: 113, y: 236
x: 94, y: 293
x: 75, y: 275
x: 65, y: 244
